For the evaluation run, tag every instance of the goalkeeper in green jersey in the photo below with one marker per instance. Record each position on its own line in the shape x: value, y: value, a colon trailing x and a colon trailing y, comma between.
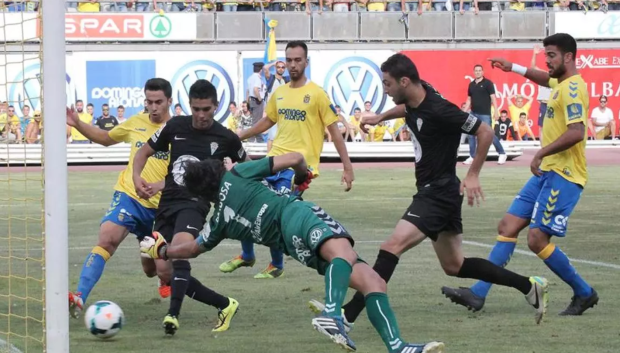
x: 247, y: 210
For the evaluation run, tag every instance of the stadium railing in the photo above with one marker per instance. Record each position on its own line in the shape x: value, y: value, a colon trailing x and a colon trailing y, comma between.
x: 119, y: 154
x: 329, y: 26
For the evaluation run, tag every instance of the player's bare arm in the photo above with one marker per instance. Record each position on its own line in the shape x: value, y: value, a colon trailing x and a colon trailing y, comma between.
x: 537, y: 76
x: 374, y: 119
x: 143, y: 189
x: 260, y: 127
x: 494, y: 104
x: 92, y: 133
x: 573, y: 135
x: 471, y: 183
x: 341, y: 147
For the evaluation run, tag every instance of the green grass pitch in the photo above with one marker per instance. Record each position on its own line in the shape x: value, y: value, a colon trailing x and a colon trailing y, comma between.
x: 273, y: 316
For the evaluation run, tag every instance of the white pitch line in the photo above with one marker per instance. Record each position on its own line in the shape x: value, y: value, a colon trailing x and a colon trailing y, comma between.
x: 466, y: 242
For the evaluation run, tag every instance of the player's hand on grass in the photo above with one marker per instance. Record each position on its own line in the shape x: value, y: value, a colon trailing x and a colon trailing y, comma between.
x: 347, y: 178
x: 501, y: 64
x: 535, y: 165
x: 143, y: 189
x: 471, y: 184
x: 152, y: 247
x: 72, y: 117
x: 371, y: 119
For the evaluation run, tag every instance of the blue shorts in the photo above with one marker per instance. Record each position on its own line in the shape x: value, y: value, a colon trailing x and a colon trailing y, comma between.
x: 281, y: 182
x: 542, y: 110
x: 129, y: 213
x: 548, y: 201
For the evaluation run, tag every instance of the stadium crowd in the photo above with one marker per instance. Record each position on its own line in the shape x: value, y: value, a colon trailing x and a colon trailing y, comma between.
x: 321, y: 5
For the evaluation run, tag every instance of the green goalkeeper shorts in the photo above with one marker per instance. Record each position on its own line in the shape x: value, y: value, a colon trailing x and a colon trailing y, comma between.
x: 305, y: 227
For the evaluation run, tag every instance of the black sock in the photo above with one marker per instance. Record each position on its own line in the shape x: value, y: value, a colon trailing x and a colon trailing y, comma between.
x: 199, y: 292
x: 485, y: 270
x: 181, y: 273
x: 385, y: 266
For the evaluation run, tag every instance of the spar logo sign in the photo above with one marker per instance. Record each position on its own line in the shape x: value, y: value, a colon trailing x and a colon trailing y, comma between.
x: 353, y: 81
x: 206, y: 70
x: 160, y: 26
x: 26, y: 89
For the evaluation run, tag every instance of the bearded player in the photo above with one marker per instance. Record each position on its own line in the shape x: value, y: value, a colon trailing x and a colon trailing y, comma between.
x: 245, y: 210
x: 549, y: 197
x: 128, y: 213
x: 302, y: 111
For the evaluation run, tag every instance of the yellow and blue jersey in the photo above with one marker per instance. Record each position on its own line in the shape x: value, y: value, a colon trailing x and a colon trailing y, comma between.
x: 302, y: 114
x: 136, y: 131
x: 568, y: 104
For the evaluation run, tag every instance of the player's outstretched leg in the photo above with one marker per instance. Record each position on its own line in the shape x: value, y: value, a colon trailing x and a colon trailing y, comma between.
x: 404, y: 237
x: 585, y: 297
x: 508, y: 229
x: 110, y: 237
x: 360, y: 276
x: 448, y: 249
x: 184, y: 284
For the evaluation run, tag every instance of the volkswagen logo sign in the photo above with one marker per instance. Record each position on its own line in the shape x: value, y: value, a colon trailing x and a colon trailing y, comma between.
x: 26, y: 90
x: 353, y: 81
x: 206, y: 70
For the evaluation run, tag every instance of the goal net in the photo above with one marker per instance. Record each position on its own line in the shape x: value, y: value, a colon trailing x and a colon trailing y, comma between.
x: 29, y: 300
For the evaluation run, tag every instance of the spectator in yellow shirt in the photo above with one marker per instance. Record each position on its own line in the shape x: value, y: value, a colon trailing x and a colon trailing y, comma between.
x: 76, y: 136
x: 377, y: 132
x: 519, y: 106
x: 354, y: 124
x: 88, y: 6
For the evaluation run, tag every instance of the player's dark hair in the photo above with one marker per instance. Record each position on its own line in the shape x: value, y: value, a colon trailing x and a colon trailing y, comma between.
x: 178, y: 105
x: 233, y: 104
x: 76, y: 102
x: 202, y: 179
x: 121, y: 107
x: 159, y: 84
x: 478, y: 65
x: 399, y: 66
x: 357, y: 110
x: 105, y: 105
x: 297, y: 44
x: 599, y: 99
x: 90, y: 105
x: 564, y: 42
x: 203, y: 89
x: 10, y: 106
x: 27, y: 106
x: 522, y: 114
x: 504, y: 112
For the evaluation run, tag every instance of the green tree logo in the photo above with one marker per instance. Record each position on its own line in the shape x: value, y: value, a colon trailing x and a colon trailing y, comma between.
x: 160, y: 26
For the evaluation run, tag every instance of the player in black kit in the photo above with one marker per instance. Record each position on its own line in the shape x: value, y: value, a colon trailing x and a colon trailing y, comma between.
x: 180, y: 216
x: 436, y: 125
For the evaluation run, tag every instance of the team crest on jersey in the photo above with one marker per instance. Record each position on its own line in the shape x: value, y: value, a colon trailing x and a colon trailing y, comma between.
x: 214, y: 147
x: 575, y: 111
x: 566, y: 171
x: 555, y: 96
x: 550, y: 113
x: 419, y: 123
x: 307, y: 98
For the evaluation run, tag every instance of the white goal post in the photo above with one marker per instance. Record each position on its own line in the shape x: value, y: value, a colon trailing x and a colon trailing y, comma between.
x: 55, y: 175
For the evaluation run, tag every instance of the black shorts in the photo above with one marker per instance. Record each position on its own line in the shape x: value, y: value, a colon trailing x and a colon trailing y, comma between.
x: 436, y: 208
x: 181, y: 220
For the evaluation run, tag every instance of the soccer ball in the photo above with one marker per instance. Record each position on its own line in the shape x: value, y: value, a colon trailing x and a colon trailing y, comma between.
x: 104, y: 319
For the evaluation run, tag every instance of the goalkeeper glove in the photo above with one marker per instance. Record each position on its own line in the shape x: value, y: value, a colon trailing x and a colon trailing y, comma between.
x: 303, y: 181
x: 153, y: 247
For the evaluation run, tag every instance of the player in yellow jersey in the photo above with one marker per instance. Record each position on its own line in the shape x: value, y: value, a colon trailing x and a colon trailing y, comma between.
x: 128, y: 213
x: 548, y: 198
x: 302, y: 111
